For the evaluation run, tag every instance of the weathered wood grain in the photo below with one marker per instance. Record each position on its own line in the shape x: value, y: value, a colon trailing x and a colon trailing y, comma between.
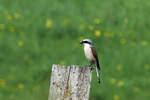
x: 70, y: 83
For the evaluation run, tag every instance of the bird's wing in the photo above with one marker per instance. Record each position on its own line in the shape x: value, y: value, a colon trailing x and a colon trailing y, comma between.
x: 97, y: 63
x: 96, y: 57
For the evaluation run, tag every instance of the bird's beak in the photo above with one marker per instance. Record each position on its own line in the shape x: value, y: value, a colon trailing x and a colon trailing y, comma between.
x: 81, y: 42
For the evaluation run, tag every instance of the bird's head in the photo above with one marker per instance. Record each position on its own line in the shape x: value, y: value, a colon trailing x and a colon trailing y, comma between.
x: 86, y: 41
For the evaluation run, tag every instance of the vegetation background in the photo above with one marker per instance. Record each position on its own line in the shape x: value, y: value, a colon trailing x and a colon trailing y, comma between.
x: 34, y: 34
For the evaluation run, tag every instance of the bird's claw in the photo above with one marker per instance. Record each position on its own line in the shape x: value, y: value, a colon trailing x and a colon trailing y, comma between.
x: 91, y: 68
x: 99, y: 81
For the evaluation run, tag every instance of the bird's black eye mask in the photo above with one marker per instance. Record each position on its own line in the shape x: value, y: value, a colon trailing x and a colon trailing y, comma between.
x: 86, y: 42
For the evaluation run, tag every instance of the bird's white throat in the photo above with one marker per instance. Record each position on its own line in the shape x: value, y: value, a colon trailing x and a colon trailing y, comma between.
x: 87, y: 45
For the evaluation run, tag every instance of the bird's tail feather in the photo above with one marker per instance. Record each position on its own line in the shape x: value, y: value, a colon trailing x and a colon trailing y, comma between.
x: 98, y: 71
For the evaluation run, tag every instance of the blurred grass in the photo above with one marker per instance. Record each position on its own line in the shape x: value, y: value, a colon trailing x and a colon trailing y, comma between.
x: 36, y: 34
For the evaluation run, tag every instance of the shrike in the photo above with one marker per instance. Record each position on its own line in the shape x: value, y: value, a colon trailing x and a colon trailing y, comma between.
x: 91, y: 55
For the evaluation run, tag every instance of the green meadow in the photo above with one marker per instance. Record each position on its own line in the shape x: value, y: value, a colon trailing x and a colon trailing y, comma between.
x: 34, y: 34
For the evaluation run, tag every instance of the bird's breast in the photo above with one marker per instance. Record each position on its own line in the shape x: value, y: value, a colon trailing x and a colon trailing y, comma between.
x: 88, y: 53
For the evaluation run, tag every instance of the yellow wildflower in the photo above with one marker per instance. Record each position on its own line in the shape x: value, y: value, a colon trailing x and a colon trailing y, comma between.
x: 97, y: 21
x: 35, y: 89
x: 123, y: 41
x: 17, y: 15
x: 2, y: 26
x: 62, y: 62
x: 119, y: 67
x: 113, y: 80
x: 81, y: 38
x: 98, y: 33
x: 9, y: 17
x: 20, y: 43
x: 49, y: 23
x: 116, y: 97
x: 108, y: 34
x: 146, y: 67
x: 66, y: 22
x: 2, y: 82
x: 120, y: 83
x: 136, y: 89
x: 144, y: 43
x: 20, y: 86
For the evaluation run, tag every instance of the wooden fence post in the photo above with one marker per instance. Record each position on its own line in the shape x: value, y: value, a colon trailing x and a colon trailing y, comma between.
x: 70, y: 83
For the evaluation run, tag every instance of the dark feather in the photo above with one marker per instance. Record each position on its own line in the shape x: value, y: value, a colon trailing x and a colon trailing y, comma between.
x: 96, y: 63
x: 96, y: 57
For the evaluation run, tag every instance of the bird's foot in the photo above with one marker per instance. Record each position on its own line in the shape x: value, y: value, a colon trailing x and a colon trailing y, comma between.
x: 99, y: 81
x: 91, y: 68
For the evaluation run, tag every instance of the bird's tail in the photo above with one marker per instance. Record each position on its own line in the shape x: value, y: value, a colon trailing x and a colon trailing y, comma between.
x: 98, y: 71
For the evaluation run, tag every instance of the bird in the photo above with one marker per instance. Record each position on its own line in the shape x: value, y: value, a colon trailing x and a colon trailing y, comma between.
x: 91, y: 55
